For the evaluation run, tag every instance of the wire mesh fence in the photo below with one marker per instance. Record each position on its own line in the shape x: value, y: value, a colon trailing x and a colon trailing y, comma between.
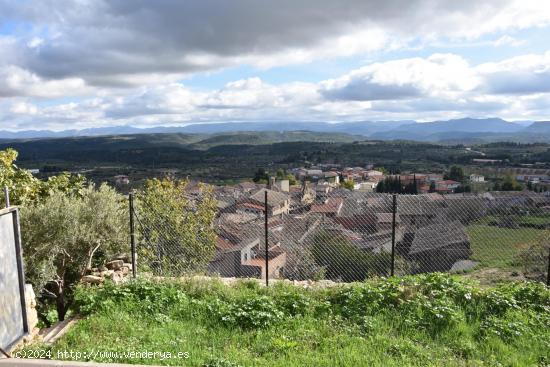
x: 167, y: 247
x: 325, y: 232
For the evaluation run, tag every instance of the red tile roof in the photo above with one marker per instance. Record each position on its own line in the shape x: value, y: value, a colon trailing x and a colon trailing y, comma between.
x: 223, y: 244
x: 333, y: 205
x: 252, y: 206
x: 447, y: 182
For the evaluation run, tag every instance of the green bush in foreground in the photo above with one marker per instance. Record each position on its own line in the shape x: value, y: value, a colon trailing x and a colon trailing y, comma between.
x: 64, y: 235
x: 426, y: 320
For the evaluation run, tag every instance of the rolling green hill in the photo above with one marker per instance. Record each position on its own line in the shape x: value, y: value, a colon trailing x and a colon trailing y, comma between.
x: 271, y: 137
x: 235, y: 156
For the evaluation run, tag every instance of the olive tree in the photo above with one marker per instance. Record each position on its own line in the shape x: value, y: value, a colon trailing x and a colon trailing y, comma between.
x: 62, y: 234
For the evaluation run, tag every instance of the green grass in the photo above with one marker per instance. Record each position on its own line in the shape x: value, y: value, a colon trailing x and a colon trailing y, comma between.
x: 498, y: 247
x: 429, y: 320
x: 534, y: 219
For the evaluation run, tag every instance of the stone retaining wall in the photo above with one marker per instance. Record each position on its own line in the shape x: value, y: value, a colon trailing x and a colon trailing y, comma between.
x: 117, y: 270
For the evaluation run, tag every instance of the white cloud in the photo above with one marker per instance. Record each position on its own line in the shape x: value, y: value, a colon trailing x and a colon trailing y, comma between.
x: 23, y: 108
x: 438, y: 75
x: 15, y: 81
x: 128, y: 44
x: 358, y: 41
x: 122, y: 62
x: 438, y: 86
x: 525, y: 74
x: 507, y: 40
x: 35, y: 42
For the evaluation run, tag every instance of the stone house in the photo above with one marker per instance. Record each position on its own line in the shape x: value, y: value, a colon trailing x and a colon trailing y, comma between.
x: 322, y: 192
x: 277, y: 203
x: 330, y: 208
x: 122, y: 180
x: 246, y: 259
x: 301, y: 198
x: 416, y: 211
x: 477, y: 178
x: 437, y: 247
x: 332, y: 178
x: 446, y: 186
x: 365, y: 186
x: 247, y: 207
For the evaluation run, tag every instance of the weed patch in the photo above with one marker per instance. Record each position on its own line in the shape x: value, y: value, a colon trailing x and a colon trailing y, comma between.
x: 431, y: 319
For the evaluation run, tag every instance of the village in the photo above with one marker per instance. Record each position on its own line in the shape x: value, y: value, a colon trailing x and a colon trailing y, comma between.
x: 429, y: 230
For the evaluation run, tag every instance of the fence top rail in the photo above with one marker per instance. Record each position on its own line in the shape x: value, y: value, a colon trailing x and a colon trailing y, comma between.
x: 11, y: 209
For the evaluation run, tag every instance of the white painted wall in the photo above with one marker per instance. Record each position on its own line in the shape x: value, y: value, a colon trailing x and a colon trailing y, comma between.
x: 11, y: 317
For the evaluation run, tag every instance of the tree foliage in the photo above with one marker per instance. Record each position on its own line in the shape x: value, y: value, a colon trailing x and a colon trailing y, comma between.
x: 291, y: 179
x: 456, y: 173
x: 282, y: 174
x: 22, y: 185
x: 348, y: 184
x: 510, y: 184
x: 345, y: 262
x: 63, y: 234
x: 261, y: 176
x: 534, y: 259
x: 64, y: 223
x: 394, y: 185
x: 24, y: 188
x: 177, y: 228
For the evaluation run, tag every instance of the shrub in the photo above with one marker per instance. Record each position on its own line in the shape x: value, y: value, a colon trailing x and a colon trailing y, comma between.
x: 360, y: 299
x: 433, y: 303
x: 495, y: 302
x: 345, y: 262
x: 62, y: 234
x: 293, y: 303
x: 443, y: 285
x: 431, y: 313
x: 528, y: 294
x: 217, y: 362
x: 504, y: 329
x: 534, y: 260
x: 251, y: 313
x: 140, y: 295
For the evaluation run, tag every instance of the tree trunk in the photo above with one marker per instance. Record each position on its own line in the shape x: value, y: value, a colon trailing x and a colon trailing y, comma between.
x: 60, y: 301
x: 89, y: 261
x: 44, y: 319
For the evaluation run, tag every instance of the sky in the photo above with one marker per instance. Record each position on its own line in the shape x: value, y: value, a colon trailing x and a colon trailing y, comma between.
x: 98, y: 63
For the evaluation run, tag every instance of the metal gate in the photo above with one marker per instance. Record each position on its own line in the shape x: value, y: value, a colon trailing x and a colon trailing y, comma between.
x: 13, y: 316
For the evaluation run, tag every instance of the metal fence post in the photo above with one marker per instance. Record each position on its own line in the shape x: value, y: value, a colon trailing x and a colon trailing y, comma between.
x: 7, y: 196
x: 20, y: 267
x: 393, y: 224
x: 132, y: 235
x: 548, y: 271
x: 266, y: 242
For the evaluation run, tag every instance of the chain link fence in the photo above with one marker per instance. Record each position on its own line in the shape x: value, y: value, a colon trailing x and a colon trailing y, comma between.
x: 324, y: 232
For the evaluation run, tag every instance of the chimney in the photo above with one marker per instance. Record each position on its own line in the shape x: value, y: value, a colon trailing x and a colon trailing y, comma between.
x: 271, y: 183
x: 285, y: 185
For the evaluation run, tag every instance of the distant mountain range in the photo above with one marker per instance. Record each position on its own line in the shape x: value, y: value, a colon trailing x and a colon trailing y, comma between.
x: 459, y: 130
x: 364, y: 128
